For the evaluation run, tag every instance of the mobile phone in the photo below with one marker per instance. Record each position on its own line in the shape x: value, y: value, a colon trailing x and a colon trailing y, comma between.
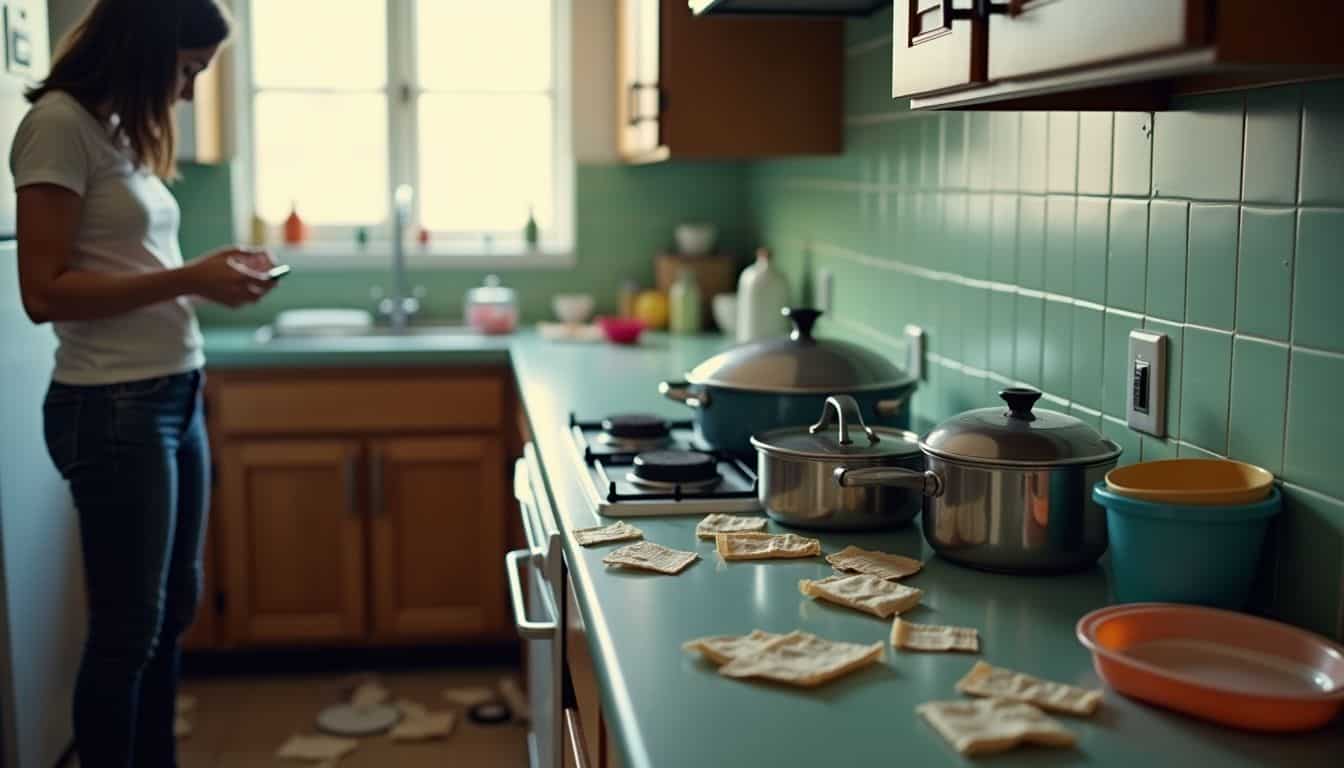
x: 278, y: 271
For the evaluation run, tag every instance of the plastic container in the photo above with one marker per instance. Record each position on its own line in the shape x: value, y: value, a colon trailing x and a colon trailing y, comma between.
x: 1206, y: 555
x: 683, y: 300
x: 492, y: 308
x: 1202, y: 482
x: 762, y: 294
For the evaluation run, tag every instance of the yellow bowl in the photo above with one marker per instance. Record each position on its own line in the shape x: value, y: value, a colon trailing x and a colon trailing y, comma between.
x: 1199, y: 482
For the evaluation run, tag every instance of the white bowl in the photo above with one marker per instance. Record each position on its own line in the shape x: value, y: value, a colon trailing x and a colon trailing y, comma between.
x: 696, y: 239
x: 724, y: 307
x: 572, y: 308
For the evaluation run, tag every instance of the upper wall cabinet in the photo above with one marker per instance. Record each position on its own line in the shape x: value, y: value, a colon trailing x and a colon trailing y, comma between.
x: 726, y: 87
x: 1083, y: 54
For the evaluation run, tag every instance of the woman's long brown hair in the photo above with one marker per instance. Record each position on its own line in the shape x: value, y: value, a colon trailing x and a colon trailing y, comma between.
x: 121, y: 58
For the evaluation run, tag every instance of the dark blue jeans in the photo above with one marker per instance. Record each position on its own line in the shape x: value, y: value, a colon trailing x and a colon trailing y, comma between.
x: 136, y: 458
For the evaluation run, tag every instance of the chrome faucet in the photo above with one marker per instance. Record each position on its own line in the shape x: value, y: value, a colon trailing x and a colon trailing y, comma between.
x: 401, y: 305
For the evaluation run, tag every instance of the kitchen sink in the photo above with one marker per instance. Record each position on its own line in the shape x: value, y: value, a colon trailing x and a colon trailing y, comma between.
x: 267, y: 334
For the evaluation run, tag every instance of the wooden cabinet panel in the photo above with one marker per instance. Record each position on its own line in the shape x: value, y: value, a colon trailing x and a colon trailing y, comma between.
x: 1053, y: 35
x: 437, y: 532
x: 294, y: 529
x: 931, y: 52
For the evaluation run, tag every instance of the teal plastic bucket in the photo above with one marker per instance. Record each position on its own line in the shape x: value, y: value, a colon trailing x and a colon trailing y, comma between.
x: 1184, y: 554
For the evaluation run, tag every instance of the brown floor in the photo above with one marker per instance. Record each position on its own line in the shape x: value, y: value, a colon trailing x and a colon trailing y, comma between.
x: 240, y: 721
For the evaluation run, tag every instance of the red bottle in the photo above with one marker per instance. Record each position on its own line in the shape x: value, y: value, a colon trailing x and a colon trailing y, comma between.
x: 295, y: 230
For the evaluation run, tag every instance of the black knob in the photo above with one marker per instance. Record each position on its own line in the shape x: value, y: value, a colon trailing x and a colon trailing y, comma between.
x: 803, y: 320
x: 1020, y: 400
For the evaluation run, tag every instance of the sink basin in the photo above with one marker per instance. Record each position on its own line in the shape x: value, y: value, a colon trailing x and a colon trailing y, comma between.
x: 267, y: 334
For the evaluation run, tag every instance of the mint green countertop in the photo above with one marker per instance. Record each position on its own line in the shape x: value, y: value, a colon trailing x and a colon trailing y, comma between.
x: 666, y: 708
x: 237, y: 348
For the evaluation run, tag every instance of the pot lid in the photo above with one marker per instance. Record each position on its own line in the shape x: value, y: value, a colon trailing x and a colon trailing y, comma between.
x: 1019, y: 435
x: 799, y: 363
x: 839, y: 434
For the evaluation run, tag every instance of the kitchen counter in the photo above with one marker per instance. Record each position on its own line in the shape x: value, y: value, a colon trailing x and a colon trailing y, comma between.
x: 237, y: 348
x: 667, y: 708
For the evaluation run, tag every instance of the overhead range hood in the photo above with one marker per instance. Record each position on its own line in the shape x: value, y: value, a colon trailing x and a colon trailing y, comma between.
x: 786, y: 7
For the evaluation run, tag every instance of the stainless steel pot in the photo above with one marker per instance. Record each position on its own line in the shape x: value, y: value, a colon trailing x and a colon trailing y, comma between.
x: 1013, y: 491
x: 796, y: 469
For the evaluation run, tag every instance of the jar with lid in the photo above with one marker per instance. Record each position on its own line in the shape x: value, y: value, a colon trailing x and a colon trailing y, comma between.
x: 492, y: 308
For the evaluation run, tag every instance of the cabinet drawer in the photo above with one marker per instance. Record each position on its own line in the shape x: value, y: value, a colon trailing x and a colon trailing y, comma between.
x: 348, y: 404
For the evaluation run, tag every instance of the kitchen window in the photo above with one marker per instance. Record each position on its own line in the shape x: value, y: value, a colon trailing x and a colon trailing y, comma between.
x: 342, y: 102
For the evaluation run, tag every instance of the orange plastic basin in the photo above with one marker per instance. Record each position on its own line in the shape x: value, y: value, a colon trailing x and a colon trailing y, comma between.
x: 1227, y: 667
x: 1199, y: 482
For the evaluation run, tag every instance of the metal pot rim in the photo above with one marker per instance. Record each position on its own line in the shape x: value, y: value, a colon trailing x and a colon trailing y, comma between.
x: 878, y: 387
x: 1079, y: 461
x: 857, y: 459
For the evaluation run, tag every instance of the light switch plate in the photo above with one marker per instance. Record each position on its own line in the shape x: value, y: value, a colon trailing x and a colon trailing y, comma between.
x: 1147, y: 385
x: 825, y: 289
x: 914, y: 351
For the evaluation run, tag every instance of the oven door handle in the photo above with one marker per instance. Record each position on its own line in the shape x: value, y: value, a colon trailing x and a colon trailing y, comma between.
x: 527, y: 501
x: 531, y: 630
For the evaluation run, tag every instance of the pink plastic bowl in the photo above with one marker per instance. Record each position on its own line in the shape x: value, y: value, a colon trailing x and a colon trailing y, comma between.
x: 621, y: 330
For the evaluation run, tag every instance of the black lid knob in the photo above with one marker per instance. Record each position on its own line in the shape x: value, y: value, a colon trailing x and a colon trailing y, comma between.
x: 803, y: 320
x: 1020, y: 400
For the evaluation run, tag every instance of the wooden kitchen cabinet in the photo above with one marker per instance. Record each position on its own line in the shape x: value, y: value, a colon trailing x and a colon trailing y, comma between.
x: 1082, y: 54
x: 726, y: 87
x: 436, y: 537
x: 295, y: 533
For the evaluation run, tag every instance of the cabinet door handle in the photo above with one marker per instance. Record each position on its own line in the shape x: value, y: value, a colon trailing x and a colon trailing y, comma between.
x: 578, y: 749
x: 376, y: 483
x: 981, y: 9
x: 636, y: 117
x: 351, y: 503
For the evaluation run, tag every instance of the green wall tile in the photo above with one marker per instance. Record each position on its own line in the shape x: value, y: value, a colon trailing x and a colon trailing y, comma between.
x: 1003, y: 245
x: 203, y: 194
x: 1315, y: 422
x: 1088, y: 353
x: 1094, y: 153
x: 1126, y: 438
x: 1034, y: 148
x: 1115, y: 381
x: 1259, y: 401
x: 1002, y: 331
x: 1264, y: 272
x: 1211, y: 290
x: 1059, y: 240
x: 1322, y: 147
x: 954, y: 149
x: 1131, y: 172
x: 1318, y: 312
x: 980, y: 172
x: 1310, y: 534
x: 1128, y: 255
x: 975, y: 328
x: 868, y: 84
x: 1089, y: 262
x: 1085, y: 415
x: 1273, y: 126
x: 1062, y: 164
x: 1156, y: 448
x: 1005, y: 133
x: 979, y: 228
x: 1175, y: 345
x: 1030, y: 330
x: 1031, y: 242
x: 1057, y: 349
x: 1166, y: 259
x: 1205, y: 374
x: 930, y: 152
x: 1197, y: 148
x: 949, y: 296
x: 956, y: 236
x: 868, y: 29
x: 1185, y: 449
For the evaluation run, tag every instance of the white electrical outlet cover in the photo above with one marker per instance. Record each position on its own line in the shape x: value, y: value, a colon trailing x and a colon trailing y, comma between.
x: 1146, y: 383
x: 914, y: 351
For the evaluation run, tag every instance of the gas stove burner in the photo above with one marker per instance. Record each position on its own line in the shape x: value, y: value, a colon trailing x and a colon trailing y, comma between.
x: 635, y: 431
x: 687, y: 470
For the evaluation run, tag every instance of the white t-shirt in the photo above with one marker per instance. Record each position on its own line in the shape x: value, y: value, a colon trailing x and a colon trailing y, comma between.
x: 128, y: 223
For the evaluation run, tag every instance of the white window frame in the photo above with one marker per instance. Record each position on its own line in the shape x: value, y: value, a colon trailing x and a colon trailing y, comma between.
x: 334, y: 247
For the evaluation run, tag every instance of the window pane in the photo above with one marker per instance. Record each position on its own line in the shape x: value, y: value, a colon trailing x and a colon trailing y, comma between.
x: 326, y: 152
x: 484, y: 46
x: 339, y: 44
x: 484, y: 160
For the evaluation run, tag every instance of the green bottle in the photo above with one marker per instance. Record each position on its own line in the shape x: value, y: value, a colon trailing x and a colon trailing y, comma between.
x: 684, y: 304
x: 530, y: 234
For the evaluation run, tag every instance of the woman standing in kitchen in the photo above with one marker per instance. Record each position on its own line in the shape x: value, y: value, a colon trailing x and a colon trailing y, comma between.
x: 99, y: 259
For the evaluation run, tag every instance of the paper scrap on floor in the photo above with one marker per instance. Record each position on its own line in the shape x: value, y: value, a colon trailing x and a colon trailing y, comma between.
x: 424, y: 727
x: 369, y: 694
x: 986, y: 726
x: 181, y: 727
x: 798, y: 658
x: 647, y: 556
x: 996, y: 682
x: 879, y: 564
x: 316, y: 747
x: 605, y: 534
x: 718, y: 523
x: 470, y: 696
x: 185, y: 704
x: 765, y: 546
x: 933, y: 637
x: 410, y: 709
x: 863, y: 592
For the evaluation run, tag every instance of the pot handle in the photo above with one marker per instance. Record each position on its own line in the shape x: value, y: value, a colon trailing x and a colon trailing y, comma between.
x: 927, y: 482
x: 680, y: 392
x: 847, y: 414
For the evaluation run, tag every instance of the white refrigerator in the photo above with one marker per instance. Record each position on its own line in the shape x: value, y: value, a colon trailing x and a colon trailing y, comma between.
x: 41, y: 579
